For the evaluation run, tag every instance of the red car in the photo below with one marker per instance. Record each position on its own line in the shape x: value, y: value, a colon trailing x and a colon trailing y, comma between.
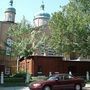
x: 59, y: 82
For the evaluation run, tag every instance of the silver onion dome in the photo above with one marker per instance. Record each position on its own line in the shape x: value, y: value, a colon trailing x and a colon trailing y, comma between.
x: 42, y: 14
x: 11, y: 9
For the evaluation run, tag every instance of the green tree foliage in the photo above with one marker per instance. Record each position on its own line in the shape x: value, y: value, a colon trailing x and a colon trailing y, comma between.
x: 71, y: 28
x: 26, y: 39
x: 40, y: 38
x: 21, y: 35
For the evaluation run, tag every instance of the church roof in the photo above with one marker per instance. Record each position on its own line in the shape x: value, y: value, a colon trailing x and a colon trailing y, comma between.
x: 11, y: 9
x: 42, y: 14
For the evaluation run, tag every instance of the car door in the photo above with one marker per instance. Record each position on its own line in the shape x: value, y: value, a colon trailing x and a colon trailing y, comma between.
x: 55, y: 83
x: 68, y: 82
x: 64, y: 83
x: 59, y: 84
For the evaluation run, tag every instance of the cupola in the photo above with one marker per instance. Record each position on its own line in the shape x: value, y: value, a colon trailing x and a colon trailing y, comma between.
x: 10, y: 13
x: 42, y: 17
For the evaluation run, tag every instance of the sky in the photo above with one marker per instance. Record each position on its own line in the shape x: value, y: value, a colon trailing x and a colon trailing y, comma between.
x: 29, y: 8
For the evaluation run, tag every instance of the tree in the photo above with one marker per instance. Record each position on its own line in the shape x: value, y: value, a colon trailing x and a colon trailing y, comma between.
x: 21, y: 35
x: 71, y: 29
x: 40, y: 39
x: 26, y: 39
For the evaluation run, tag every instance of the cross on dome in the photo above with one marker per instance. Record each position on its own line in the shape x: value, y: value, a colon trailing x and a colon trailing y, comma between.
x: 11, y: 2
x: 42, y: 6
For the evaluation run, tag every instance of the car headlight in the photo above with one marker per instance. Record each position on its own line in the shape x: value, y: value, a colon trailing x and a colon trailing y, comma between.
x: 36, y: 84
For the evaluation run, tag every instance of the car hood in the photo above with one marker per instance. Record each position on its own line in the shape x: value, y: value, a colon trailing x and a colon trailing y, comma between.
x: 40, y: 81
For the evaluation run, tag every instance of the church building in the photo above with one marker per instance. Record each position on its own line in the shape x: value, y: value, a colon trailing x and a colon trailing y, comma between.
x: 7, y: 63
x: 41, y: 57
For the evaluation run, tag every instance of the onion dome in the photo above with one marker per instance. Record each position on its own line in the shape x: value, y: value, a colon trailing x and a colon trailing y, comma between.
x: 42, y: 13
x: 13, y: 10
x: 42, y: 17
x: 10, y: 12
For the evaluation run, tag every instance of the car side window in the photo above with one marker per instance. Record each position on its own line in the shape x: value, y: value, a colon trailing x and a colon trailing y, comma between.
x: 57, y: 78
x: 66, y: 77
x: 61, y: 78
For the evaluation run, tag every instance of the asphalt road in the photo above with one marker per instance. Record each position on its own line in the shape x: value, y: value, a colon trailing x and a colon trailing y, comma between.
x: 87, y: 87
x: 26, y: 88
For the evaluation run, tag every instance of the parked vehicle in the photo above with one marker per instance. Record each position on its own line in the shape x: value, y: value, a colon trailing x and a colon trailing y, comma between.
x: 59, y: 82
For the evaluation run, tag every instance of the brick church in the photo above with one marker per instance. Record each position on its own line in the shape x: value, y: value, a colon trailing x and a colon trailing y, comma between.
x: 7, y: 63
x: 10, y: 64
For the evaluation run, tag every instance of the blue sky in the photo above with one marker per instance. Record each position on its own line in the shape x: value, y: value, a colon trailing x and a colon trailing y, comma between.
x: 28, y: 8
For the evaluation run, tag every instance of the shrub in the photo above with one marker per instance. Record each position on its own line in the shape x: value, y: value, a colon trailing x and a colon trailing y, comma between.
x: 20, y: 75
x: 18, y: 78
x: 13, y: 80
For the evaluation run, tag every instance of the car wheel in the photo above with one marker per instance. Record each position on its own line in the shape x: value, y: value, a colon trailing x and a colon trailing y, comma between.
x: 47, y: 88
x: 78, y: 87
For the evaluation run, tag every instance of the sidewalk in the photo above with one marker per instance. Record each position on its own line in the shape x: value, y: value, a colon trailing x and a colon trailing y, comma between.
x: 87, y: 85
x: 14, y: 88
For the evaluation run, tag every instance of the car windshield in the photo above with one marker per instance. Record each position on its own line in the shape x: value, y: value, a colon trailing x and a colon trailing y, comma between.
x: 53, y: 78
